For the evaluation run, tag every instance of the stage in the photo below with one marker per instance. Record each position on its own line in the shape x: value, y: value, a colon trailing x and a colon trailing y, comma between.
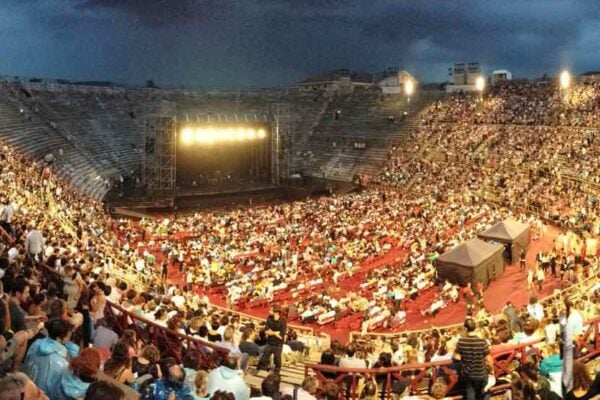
x: 221, y: 195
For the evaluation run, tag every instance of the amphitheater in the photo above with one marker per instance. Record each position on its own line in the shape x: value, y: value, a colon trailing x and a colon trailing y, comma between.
x: 356, y: 265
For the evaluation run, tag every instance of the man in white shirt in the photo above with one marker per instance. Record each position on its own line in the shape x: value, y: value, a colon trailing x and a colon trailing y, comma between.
x: 349, y: 361
x: 34, y: 243
x: 535, y: 309
x: 6, y: 216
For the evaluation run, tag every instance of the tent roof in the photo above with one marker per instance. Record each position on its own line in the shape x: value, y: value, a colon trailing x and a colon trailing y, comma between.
x: 506, y: 230
x: 470, y: 253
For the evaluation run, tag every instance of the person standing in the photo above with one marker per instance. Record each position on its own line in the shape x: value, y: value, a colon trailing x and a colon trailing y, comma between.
x: 468, y: 296
x: 522, y: 260
x: 530, y: 279
x: 276, y: 328
x: 6, y: 216
x: 476, y: 361
x: 571, y: 328
x: 164, y: 270
x: 540, y: 275
x: 512, y: 315
x: 34, y: 244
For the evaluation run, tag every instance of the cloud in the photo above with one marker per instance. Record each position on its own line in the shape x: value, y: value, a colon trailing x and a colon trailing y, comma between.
x: 264, y: 42
x: 163, y: 12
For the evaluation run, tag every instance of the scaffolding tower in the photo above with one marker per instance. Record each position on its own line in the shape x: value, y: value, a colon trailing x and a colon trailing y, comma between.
x: 160, y: 153
x: 282, y: 136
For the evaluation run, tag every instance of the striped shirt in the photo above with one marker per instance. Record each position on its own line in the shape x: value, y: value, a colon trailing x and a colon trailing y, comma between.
x: 473, y: 352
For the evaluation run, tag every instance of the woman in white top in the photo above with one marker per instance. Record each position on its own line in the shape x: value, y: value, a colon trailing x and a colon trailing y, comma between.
x: 73, y: 286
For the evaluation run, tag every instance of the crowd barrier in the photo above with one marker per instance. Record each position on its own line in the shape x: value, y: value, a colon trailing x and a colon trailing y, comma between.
x: 170, y: 343
x: 419, y: 377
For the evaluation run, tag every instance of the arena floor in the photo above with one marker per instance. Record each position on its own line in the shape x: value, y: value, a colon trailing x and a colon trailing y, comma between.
x: 511, y: 286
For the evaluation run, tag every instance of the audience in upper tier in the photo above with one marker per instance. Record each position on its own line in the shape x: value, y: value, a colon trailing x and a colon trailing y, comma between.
x: 65, y: 267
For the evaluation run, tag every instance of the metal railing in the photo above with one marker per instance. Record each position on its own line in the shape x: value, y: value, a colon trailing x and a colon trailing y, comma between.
x: 169, y: 342
x: 419, y: 377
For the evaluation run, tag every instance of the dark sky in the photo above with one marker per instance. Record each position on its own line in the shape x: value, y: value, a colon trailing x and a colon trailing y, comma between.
x: 277, y: 42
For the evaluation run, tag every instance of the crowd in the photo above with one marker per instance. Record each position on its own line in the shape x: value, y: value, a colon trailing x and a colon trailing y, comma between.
x: 62, y: 261
x: 56, y: 338
x: 541, y: 371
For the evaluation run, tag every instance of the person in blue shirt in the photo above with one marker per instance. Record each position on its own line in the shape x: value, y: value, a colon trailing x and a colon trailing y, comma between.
x: 170, y: 387
x: 46, y: 360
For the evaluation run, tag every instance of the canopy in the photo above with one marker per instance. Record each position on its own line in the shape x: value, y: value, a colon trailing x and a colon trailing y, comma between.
x: 510, y: 232
x: 471, y: 262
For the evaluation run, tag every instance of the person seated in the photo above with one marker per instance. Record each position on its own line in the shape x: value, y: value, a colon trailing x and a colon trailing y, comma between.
x: 147, y: 362
x: 307, y: 391
x: 269, y: 388
x: 83, y: 371
x: 18, y: 386
x: 227, y: 377
x: 118, y: 366
x: 171, y: 386
x: 47, y: 358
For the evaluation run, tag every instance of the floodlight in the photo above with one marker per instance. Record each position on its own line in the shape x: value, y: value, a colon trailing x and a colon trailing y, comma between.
x: 409, y: 87
x: 261, y: 133
x: 565, y: 80
x: 480, y: 83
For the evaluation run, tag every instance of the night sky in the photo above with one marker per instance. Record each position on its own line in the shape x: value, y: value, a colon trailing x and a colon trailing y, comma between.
x: 278, y: 42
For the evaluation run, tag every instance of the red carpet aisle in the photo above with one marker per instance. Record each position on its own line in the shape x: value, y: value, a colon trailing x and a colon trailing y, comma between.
x: 511, y: 286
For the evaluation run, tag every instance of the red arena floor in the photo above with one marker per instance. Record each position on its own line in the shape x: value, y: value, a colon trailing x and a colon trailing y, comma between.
x: 512, y: 285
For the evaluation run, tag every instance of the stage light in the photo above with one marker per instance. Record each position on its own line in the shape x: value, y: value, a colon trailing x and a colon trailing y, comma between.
x: 565, y: 80
x: 226, y: 134
x: 187, y: 136
x: 204, y: 135
x: 211, y: 134
x: 480, y: 83
x: 238, y: 134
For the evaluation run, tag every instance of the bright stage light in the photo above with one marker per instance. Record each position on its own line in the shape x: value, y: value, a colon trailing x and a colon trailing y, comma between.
x: 187, y: 135
x: 239, y: 134
x: 204, y: 135
x: 565, y: 80
x: 211, y: 134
